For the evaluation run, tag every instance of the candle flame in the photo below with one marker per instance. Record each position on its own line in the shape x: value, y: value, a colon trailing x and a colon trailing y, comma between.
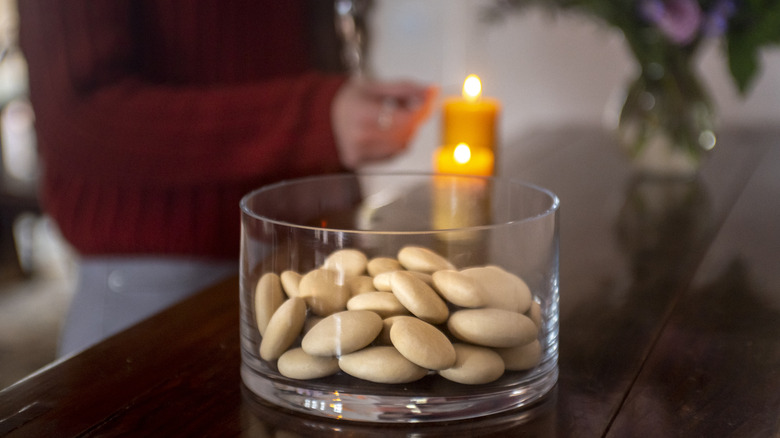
x: 472, y: 88
x: 462, y: 153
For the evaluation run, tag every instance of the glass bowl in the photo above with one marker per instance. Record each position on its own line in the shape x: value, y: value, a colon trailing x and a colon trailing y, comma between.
x: 399, y: 297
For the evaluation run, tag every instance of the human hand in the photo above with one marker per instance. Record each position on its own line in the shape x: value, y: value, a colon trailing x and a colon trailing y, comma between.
x: 375, y: 120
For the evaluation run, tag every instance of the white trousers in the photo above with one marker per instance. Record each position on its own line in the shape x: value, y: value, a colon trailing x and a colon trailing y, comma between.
x: 113, y: 294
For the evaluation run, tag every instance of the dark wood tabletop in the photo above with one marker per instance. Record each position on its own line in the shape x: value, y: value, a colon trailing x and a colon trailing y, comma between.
x: 669, y: 319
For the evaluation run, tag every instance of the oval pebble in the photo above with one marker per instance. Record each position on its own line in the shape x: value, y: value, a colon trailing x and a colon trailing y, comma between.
x: 382, y: 281
x: 324, y: 291
x: 502, y: 289
x: 360, y: 284
x: 418, y: 297
x: 535, y: 313
x: 387, y: 325
x: 310, y: 322
x: 290, y: 282
x: 492, y: 327
x: 474, y: 365
x: 297, y: 364
x: 422, y: 343
x: 424, y: 276
x: 375, y: 319
x: 417, y: 258
x: 378, y: 265
x: 268, y: 298
x: 349, y: 261
x: 384, y: 304
x: 342, y: 333
x: 283, y: 328
x: 521, y: 358
x: 381, y: 365
x: 459, y: 289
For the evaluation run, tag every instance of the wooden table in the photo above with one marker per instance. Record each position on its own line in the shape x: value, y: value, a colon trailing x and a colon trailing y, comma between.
x: 669, y: 323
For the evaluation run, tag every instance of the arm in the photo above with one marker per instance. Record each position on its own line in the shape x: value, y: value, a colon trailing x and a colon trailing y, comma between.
x: 98, y: 114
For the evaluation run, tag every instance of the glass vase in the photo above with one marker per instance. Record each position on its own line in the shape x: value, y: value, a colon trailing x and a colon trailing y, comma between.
x: 667, y: 120
x: 348, y: 309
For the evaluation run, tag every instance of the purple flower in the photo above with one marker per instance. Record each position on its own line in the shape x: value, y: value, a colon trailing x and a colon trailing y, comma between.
x: 679, y: 20
x: 717, y: 19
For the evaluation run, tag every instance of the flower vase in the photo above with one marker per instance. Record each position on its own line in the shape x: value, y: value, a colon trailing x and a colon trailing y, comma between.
x: 667, y: 119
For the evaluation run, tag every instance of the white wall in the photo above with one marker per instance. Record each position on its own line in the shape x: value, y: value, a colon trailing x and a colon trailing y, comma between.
x: 545, y: 70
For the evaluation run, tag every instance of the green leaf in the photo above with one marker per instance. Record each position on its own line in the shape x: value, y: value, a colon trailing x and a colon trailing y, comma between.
x: 755, y: 26
x: 743, y: 62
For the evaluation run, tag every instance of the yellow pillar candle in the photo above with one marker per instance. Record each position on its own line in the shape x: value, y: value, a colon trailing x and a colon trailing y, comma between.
x: 468, y: 148
x: 470, y: 119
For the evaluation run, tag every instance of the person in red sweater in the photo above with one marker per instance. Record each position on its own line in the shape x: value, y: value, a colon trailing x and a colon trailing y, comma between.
x: 155, y: 117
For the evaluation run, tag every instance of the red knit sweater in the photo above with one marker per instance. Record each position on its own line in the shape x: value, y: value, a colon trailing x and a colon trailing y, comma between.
x: 155, y: 117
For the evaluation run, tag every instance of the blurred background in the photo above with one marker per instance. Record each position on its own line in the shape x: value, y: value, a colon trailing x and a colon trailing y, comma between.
x: 35, y: 266
x: 546, y: 70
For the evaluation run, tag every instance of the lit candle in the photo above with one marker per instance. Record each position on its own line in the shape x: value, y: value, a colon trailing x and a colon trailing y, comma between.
x: 468, y: 148
x: 468, y: 133
x: 470, y: 119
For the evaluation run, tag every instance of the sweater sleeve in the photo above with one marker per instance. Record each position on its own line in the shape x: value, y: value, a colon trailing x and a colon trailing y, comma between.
x: 96, y: 114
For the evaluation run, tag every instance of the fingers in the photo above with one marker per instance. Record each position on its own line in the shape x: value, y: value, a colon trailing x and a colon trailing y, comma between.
x: 402, y: 104
x: 374, y: 121
x: 405, y: 94
x: 386, y: 113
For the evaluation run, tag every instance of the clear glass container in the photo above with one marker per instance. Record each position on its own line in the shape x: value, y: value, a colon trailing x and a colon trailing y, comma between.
x: 399, y: 297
